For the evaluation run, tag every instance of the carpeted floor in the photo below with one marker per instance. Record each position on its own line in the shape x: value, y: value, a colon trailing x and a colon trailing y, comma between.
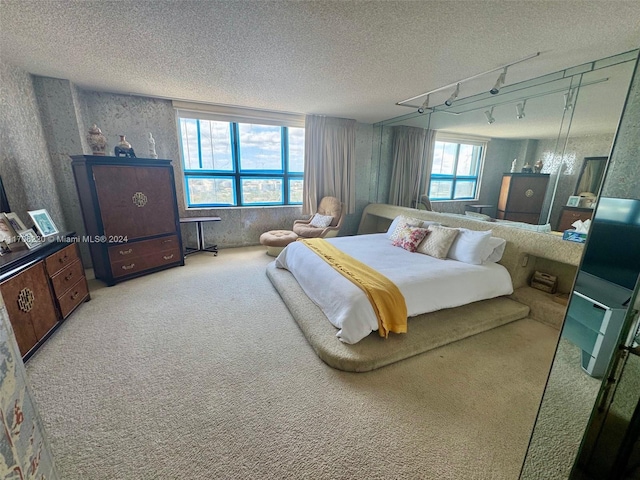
x: 200, y: 372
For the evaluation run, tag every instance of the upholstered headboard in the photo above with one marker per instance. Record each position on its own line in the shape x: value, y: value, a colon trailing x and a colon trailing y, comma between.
x: 525, y: 249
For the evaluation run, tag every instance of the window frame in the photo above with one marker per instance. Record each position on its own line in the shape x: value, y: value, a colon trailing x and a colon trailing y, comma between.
x: 237, y: 174
x: 459, y: 140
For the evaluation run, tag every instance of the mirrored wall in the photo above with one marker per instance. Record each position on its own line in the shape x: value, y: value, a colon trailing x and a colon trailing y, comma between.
x: 565, y: 119
x: 562, y: 125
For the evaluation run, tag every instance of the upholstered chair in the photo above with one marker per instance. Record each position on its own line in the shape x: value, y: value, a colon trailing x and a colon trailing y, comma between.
x: 329, y: 206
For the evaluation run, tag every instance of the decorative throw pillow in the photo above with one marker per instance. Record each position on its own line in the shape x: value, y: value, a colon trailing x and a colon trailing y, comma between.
x: 470, y: 246
x: 438, y: 242
x: 410, y: 237
x: 321, y: 221
x: 495, y: 249
x: 400, y: 222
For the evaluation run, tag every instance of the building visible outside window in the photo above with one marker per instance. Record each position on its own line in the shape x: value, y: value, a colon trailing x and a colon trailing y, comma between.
x: 456, y: 169
x: 241, y: 164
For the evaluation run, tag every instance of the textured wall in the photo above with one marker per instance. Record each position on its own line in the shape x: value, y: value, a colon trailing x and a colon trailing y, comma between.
x: 574, y: 152
x: 60, y: 117
x: 622, y: 177
x: 24, y: 447
x: 25, y: 165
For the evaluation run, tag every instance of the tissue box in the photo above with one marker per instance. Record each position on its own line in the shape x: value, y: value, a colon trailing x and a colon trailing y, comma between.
x: 574, y: 236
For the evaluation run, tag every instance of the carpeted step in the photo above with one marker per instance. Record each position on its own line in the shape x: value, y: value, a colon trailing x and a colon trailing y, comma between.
x: 425, y: 332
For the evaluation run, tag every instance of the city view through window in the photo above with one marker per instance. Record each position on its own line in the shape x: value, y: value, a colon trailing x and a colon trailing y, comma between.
x: 242, y: 164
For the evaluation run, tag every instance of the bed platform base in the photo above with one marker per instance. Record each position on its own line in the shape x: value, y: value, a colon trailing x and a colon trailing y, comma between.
x: 426, y: 332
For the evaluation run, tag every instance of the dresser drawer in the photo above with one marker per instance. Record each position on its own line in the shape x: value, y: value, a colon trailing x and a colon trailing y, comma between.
x: 146, y: 262
x: 73, y: 297
x: 66, y: 277
x: 61, y: 259
x: 128, y: 251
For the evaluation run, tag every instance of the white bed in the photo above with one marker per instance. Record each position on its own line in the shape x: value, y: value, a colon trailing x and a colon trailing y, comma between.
x: 427, y: 284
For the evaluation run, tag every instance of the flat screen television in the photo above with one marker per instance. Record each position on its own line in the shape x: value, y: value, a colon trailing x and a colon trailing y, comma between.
x: 613, y: 244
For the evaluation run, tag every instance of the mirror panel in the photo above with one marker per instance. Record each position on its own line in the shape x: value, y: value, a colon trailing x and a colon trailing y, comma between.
x: 570, y: 118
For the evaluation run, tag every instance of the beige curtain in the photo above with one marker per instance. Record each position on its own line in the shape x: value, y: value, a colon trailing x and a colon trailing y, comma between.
x: 412, y: 160
x: 329, y: 170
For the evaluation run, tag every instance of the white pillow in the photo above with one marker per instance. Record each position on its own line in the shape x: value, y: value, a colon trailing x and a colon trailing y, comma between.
x: 470, y: 246
x: 321, y: 221
x: 495, y: 249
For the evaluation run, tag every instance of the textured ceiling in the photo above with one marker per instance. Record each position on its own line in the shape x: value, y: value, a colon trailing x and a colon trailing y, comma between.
x: 352, y: 59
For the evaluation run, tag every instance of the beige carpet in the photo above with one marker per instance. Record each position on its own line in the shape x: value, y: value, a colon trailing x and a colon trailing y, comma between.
x: 200, y: 372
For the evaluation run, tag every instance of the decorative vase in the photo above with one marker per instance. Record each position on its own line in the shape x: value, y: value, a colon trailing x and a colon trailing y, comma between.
x: 97, y: 141
x: 124, y: 148
x: 123, y: 143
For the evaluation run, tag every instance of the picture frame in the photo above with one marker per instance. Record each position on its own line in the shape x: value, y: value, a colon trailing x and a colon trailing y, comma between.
x: 574, y: 201
x: 7, y: 232
x: 43, y: 222
x: 15, y: 221
x: 4, y: 248
x: 29, y: 238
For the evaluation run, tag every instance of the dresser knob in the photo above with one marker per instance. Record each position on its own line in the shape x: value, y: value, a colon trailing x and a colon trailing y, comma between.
x: 126, y: 252
x: 128, y: 267
x: 168, y: 257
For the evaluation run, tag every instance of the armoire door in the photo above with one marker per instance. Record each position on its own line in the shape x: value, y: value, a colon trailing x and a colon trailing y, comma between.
x: 135, y: 202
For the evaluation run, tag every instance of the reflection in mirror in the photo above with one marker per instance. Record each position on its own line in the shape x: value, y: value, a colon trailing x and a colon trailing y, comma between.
x: 552, y: 123
x: 578, y: 415
x: 590, y: 178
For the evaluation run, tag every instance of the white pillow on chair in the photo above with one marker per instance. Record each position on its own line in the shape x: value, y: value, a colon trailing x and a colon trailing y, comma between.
x: 321, y: 221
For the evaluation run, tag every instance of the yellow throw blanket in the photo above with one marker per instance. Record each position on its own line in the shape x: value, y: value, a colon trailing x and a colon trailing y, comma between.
x: 385, y: 297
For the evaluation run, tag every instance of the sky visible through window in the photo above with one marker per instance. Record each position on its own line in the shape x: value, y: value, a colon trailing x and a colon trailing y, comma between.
x: 258, y: 163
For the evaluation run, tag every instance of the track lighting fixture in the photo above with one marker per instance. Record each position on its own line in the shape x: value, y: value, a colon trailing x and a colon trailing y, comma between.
x: 489, y: 115
x: 494, y: 90
x: 453, y: 96
x: 424, y: 106
x: 499, y: 82
x: 520, y: 110
x: 568, y: 99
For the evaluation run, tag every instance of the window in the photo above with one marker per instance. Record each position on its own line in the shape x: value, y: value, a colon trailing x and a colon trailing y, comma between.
x: 241, y: 164
x: 456, y: 169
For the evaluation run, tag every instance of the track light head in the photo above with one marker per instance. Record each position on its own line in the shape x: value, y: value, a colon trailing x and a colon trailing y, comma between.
x: 489, y: 115
x: 520, y: 110
x: 499, y: 82
x: 453, y: 96
x: 568, y: 100
x: 424, y: 105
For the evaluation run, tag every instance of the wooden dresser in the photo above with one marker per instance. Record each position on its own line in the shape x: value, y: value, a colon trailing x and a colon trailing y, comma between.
x: 130, y: 214
x: 572, y: 214
x: 521, y: 196
x: 41, y: 288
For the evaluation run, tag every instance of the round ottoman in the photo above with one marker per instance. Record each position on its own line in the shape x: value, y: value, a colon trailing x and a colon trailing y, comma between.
x: 276, y: 240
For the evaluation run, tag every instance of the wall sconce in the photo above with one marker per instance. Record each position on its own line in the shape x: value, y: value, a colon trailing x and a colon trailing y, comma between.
x: 453, y: 96
x: 489, y: 115
x: 520, y: 110
x: 499, y: 82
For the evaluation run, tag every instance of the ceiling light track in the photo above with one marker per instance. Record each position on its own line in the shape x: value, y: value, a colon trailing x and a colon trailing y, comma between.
x: 501, y: 78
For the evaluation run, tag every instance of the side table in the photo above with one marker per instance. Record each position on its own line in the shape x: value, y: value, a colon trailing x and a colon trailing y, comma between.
x: 200, y: 235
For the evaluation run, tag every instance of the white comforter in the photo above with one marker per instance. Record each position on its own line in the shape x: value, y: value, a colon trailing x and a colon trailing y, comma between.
x: 428, y: 284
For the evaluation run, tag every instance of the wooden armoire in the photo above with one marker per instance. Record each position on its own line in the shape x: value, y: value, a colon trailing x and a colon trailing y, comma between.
x: 521, y: 196
x: 130, y: 213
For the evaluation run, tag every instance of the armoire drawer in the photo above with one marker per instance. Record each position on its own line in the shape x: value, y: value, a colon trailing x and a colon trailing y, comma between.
x: 146, y: 262
x: 128, y: 251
